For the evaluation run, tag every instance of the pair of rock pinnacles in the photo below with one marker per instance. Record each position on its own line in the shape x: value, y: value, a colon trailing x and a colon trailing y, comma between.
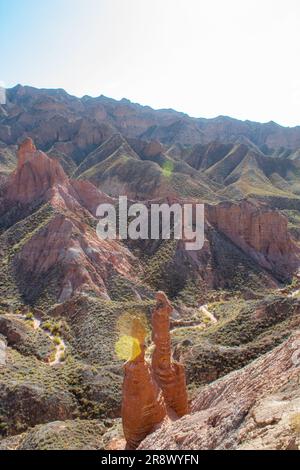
x: 153, y: 392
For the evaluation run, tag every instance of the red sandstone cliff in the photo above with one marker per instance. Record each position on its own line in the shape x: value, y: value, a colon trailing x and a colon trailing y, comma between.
x: 260, y: 232
x: 65, y: 239
x: 38, y: 177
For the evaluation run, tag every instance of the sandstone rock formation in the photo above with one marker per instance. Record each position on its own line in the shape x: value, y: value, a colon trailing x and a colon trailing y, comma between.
x: 150, y: 393
x: 40, y: 178
x: 260, y: 232
x: 255, y: 407
x: 54, y: 116
x: 51, y: 258
x: 169, y: 374
x: 84, y: 260
x: 143, y: 407
x: 89, y: 196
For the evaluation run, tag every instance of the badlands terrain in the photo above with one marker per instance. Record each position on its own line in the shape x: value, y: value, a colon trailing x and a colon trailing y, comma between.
x: 67, y: 298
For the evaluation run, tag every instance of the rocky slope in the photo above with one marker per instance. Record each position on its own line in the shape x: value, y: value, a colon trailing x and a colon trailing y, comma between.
x: 59, y: 232
x: 64, y: 235
x: 254, y: 408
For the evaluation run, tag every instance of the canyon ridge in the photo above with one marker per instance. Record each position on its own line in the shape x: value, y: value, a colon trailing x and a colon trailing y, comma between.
x: 213, y: 333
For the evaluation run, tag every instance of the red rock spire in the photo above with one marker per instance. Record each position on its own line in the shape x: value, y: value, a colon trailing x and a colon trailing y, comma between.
x: 152, y: 392
x: 169, y: 375
x: 36, y: 174
x: 143, y: 407
x: 26, y: 150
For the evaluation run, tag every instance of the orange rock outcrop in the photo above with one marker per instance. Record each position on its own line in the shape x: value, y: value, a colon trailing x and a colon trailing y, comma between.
x: 143, y: 407
x: 150, y: 393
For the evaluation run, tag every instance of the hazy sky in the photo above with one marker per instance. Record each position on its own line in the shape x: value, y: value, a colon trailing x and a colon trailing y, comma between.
x: 204, y: 57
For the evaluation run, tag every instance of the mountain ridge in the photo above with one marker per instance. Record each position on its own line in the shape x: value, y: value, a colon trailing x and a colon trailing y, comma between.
x: 220, y: 127
x: 128, y: 101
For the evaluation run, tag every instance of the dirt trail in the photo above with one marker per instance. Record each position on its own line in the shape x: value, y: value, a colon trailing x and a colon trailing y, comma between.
x: 36, y: 323
x: 194, y: 325
x: 60, y: 348
x: 210, y: 315
x: 60, y: 351
x: 295, y: 293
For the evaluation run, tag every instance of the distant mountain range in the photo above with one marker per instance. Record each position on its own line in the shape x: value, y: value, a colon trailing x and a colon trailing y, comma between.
x: 118, y: 144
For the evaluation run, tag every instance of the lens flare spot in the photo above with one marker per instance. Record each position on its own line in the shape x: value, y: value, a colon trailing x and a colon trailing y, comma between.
x: 133, y: 324
x: 128, y: 348
x: 167, y: 169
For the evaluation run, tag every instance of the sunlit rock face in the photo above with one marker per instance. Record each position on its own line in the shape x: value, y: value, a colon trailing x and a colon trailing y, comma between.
x: 64, y: 239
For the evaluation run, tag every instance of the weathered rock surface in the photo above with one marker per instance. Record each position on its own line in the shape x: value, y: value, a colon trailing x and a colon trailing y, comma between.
x: 274, y: 423
x: 38, y: 177
x: 49, y: 253
x: 35, y: 175
x: 85, y: 261
x: 88, y: 121
x: 89, y: 196
x: 143, y: 407
x: 255, y: 407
